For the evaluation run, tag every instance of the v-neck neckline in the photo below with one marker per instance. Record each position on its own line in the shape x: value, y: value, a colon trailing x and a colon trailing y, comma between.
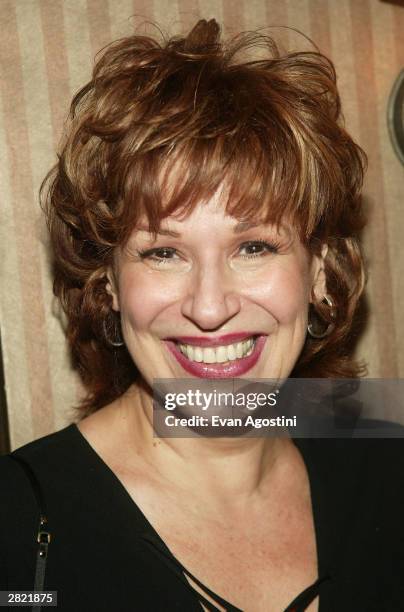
x: 319, y: 506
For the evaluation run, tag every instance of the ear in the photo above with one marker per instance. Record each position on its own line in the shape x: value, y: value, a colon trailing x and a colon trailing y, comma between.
x: 319, y: 283
x: 112, y: 288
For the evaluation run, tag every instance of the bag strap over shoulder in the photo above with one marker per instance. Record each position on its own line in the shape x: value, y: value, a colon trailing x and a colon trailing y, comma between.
x: 43, y: 536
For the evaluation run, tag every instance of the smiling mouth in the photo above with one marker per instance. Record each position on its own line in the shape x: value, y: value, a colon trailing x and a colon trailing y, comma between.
x: 227, y: 356
x: 221, y: 354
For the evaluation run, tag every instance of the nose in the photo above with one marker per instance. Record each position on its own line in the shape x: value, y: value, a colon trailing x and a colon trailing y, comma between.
x: 211, y: 300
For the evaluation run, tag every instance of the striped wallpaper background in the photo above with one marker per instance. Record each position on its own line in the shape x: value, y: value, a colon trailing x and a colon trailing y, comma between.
x: 46, y: 53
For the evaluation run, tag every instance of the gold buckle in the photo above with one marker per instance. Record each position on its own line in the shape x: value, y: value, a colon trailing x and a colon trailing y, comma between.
x: 44, y: 537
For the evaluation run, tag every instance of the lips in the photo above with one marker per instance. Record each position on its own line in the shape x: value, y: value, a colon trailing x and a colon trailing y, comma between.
x: 229, y: 356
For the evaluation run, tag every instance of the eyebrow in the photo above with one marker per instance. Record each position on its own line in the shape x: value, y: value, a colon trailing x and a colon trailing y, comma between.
x: 162, y: 232
x: 242, y: 226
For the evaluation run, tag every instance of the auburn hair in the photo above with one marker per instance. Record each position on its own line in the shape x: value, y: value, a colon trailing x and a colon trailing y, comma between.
x: 240, y: 111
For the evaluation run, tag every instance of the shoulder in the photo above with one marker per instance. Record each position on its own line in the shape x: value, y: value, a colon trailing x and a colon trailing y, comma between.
x: 53, y: 445
x: 62, y: 468
x: 358, y: 468
x: 359, y: 482
x: 37, y: 452
x: 64, y: 448
x: 375, y: 446
x: 53, y: 458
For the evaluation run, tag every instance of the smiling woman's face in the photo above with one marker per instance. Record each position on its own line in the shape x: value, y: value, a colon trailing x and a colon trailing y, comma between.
x: 213, y: 297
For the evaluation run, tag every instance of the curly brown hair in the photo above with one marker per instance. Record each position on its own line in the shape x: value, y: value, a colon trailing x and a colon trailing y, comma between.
x: 267, y: 123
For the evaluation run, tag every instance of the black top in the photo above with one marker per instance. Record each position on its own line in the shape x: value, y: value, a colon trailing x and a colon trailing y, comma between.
x: 106, y: 557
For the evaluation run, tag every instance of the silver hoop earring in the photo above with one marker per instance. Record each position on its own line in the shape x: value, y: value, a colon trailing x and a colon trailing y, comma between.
x: 330, y: 326
x: 118, y: 342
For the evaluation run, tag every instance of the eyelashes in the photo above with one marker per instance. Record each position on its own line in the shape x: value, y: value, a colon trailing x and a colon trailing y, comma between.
x: 251, y: 249
x: 160, y: 254
x: 259, y: 248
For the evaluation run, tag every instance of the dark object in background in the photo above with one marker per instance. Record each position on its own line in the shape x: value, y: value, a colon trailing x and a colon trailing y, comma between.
x: 398, y: 2
x: 4, y: 435
x: 395, y: 116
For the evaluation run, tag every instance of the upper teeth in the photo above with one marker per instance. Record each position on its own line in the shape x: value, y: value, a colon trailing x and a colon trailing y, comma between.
x: 219, y: 354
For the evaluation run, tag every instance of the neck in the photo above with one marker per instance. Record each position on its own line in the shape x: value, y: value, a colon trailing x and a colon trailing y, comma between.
x: 225, y: 471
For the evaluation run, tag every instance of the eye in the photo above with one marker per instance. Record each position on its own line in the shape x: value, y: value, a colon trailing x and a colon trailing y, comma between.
x: 158, y: 255
x: 257, y: 248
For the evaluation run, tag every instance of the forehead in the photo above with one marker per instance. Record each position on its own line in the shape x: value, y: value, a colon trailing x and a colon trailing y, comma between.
x: 183, y: 187
x: 212, y: 213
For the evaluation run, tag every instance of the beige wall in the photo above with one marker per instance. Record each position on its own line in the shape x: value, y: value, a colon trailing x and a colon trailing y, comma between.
x: 46, y: 51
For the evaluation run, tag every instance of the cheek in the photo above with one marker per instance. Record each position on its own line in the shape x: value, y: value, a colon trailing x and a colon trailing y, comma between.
x: 142, y: 298
x: 284, y: 293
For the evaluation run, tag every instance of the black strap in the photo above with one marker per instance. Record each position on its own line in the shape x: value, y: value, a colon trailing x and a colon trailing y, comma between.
x: 299, y: 604
x: 305, y: 598
x: 165, y: 554
x: 43, y: 536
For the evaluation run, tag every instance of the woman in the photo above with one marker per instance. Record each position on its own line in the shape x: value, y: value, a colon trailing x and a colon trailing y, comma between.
x: 204, y: 218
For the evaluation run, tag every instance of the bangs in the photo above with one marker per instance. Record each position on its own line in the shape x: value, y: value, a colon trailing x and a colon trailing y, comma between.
x: 262, y: 176
x: 253, y: 184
